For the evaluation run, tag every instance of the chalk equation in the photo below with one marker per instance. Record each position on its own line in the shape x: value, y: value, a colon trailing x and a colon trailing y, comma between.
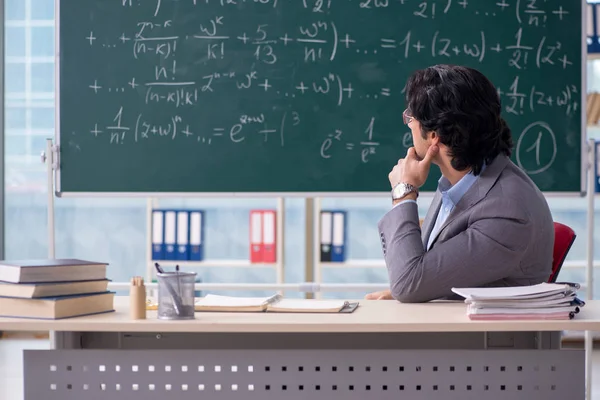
x: 312, y: 46
x: 321, y: 74
x: 530, y: 12
x: 148, y: 127
x: 367, y: 144
x: 520, y: 98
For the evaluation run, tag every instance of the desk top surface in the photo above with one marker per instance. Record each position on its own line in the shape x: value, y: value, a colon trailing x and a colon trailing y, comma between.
x: 370, y: 316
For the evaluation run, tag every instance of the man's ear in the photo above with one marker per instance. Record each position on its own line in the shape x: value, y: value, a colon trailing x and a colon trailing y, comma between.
x: 433, y: 138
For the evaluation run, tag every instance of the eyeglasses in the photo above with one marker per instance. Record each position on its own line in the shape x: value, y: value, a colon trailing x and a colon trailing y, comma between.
x: 406, y: 118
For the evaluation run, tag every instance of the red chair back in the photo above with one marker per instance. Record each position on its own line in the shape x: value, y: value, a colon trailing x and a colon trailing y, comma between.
x: 563, y: 240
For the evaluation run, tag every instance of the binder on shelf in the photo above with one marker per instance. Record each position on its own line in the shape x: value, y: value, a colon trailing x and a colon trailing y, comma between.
x: 256, y: 236
x: 593, y: 20
x: 158, y: 243
x: 170, y: 234
x: 269, y: 236
x: 183, y: 248
x: 326, y: 235
x: 597, y: 168
x: 196, y: 235
x: 590, y: 28
x: 338, y: 250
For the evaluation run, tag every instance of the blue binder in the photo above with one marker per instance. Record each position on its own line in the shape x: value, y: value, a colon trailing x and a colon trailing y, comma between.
x: 196, y: 235
x: 170, y: 236
x: 597, y: 168
x: 158, y: 233
x: 338, y: 239
x: 183, y: 235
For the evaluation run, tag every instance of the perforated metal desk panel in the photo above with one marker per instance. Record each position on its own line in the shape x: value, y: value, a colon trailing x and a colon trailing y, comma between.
x: 384, y: 350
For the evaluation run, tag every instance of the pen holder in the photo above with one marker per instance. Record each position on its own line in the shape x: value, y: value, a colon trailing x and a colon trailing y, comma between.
x: 176, y: 295
x: 137, y: 298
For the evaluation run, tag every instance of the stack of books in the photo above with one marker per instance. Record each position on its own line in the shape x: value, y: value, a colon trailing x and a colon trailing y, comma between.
x: 53, y: 288
x: 555, y: 301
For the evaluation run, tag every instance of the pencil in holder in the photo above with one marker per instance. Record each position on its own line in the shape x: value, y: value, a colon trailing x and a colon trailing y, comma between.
x: 176, y: 295
x: 137, y: 298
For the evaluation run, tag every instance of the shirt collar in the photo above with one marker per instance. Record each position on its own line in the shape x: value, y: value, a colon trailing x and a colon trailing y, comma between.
x: 456, y: 192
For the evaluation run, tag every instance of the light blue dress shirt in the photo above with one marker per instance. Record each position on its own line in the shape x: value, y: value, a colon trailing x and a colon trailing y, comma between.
x: 451, y: 195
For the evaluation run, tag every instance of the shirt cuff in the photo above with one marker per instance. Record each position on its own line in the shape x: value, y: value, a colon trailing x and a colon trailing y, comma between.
x: 405, y: 201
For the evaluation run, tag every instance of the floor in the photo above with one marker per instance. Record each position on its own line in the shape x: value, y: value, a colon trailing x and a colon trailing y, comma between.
x: 11, y: 366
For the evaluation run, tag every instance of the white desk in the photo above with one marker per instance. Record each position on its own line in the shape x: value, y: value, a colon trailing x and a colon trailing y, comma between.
x: 370, y: 316
x: 384, y: 350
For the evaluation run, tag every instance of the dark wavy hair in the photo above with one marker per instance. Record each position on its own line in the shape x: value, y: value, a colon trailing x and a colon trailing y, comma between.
x: 463, y: 108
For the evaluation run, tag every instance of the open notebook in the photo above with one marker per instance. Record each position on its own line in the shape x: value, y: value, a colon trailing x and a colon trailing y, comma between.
x: 275, y: 303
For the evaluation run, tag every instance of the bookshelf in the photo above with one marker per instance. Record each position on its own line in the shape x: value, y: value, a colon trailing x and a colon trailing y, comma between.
x: 319, y: 266
x: 277, y: 266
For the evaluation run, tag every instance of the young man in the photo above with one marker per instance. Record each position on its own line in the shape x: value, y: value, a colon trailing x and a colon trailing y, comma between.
x: 488, y: 224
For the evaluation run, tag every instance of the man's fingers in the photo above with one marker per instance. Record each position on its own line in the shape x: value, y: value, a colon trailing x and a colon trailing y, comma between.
x: 375, y: 296
x: 411, y: 153
x: 431, y: 152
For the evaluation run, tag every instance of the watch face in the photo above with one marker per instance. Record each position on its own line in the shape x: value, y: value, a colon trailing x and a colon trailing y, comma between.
x: 401, y: 190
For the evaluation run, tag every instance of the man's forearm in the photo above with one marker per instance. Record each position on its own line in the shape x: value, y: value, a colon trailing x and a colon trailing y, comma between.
x: 403, y: 247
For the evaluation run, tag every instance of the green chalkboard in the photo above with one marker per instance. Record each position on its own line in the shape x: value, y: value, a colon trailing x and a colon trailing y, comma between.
x: 290, y: 96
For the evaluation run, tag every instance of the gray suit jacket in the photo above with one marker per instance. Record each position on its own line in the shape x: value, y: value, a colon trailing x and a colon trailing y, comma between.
x: 500, y: 233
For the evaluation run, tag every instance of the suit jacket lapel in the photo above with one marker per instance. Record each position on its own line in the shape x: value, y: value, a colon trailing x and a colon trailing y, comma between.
x: 475, y: 193
x: 429, y: 221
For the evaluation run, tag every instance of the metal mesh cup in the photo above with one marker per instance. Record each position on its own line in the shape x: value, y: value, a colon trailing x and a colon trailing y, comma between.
x: 176, y: 292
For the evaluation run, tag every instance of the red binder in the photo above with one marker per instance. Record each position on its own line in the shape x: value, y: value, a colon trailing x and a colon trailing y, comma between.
x: 256, y: 234
x: 269, y: 237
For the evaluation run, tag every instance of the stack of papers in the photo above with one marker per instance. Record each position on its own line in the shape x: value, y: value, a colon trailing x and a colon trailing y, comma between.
x: 542, y: 301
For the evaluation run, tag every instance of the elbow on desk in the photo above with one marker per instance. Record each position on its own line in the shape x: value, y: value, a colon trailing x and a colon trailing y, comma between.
x: 408, y: 297
x: 408, y: 290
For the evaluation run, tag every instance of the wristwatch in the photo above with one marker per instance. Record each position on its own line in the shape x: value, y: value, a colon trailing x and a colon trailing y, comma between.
x: 402, y: 189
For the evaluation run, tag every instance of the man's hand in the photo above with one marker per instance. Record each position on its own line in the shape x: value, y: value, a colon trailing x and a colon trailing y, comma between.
x: 412, y: 169
x: 382, y: 295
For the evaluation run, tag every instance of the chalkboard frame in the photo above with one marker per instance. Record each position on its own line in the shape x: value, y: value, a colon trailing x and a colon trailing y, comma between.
x: 586, y: 165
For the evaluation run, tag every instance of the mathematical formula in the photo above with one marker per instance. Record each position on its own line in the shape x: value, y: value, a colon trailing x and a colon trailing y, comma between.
x: 314, y: 45
x: 146, y: 127
x: 319, y: 67
x: 530, y: 12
